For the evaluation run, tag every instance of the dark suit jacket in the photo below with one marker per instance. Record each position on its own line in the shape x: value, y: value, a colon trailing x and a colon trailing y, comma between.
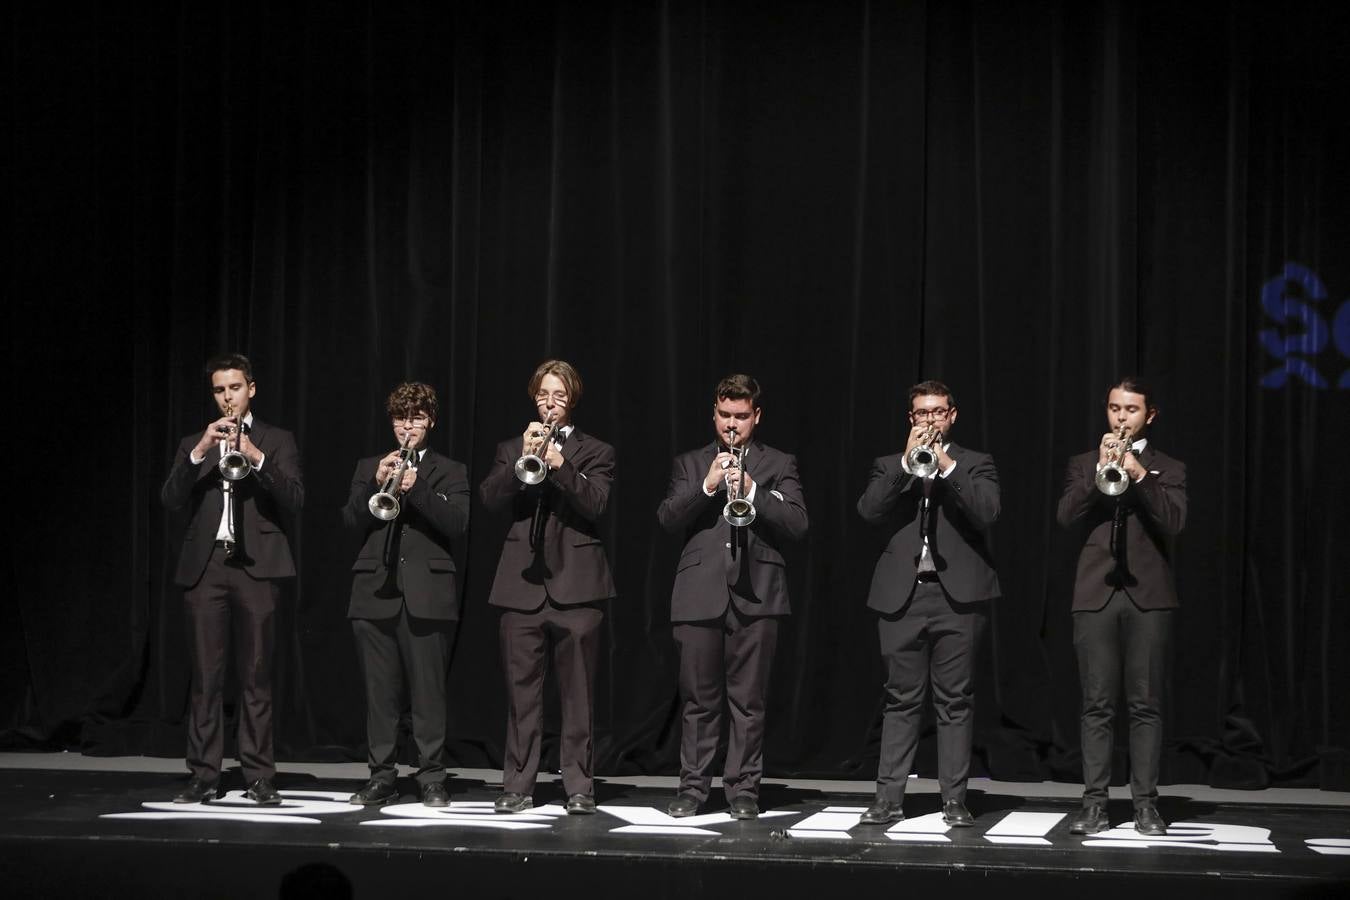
x: 961, y: 510
x: 1152, y: 512
x: 265, y: 501
x: 553, y: 548
x: 721, y: 563
x: 409, y: 558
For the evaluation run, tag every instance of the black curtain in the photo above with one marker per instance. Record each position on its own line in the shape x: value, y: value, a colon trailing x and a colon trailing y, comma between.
x: 1025, y: 200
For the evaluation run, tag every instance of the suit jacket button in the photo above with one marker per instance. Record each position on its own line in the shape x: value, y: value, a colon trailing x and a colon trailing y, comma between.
x: 402, y: 559
x: 728, y: 545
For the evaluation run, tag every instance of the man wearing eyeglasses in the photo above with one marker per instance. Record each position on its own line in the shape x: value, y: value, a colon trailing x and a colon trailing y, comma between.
x: 931, y: 590
x: 404, y: 605
x: 552, y: 581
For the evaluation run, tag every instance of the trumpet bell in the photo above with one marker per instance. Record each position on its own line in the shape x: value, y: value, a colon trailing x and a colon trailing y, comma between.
x: 739, y: 512
x: 1112, y: 480
x: 922, y: 461
x: 383, y: 506
x: 234, y: 466
x: 530, y: 469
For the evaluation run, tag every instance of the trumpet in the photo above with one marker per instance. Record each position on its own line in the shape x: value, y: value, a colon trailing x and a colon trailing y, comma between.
x: 233, y: 465
x: 532, y: 468
x: 384, y: 505
x: 922, y: 457
x: 739, y: 511
x: 1112, y: 479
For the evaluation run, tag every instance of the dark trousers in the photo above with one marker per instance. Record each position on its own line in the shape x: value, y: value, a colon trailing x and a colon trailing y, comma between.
x: 227, y: 605
x: 391, y: 650
x: 724, y: 660
x: 574, y: 633
x: 932, y: 639
x: 1122, y: 645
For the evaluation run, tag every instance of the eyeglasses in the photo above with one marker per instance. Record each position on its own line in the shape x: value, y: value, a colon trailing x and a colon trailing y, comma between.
x: 412, y: 421
x: 939, y: 414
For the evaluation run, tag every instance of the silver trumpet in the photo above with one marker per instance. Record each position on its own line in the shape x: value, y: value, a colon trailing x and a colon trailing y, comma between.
x: 532, y: 468
x: 1112, y: 479
x: 922, y: 457
x: 233, y: 465
x: 384, y: 505
x: 739, y: 511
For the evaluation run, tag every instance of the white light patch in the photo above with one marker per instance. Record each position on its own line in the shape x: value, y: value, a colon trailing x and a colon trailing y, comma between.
x: 663, y: 829
x: 1027, y: 828
x: 1329, y: 846
x: 1190, y: 835
x: 465, y: 811
x: 213, y: 817
x: 831, y: 822
x: 647, y: 817
x: 501, y: 823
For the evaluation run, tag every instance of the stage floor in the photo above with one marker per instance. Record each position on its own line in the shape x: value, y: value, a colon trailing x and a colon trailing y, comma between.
x: 76, y: 825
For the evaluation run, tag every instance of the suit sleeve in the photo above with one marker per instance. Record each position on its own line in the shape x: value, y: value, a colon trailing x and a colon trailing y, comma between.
x: 975, y: 491
x: 445, y: 504
x: 1078, y: 495
x: 281, y: 476
x: 356, y: 517
x: 1162, y: 498
x: 183, y: 476
x: 890, y: 489
x: 501, y: 487
x: 783, y: 507
x: 586, y: 489
x: 685, y: 500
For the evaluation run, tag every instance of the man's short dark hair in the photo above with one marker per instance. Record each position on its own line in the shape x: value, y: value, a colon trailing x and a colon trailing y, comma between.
x: 227, y: 361
x: 933, y: 388
x: 1133, y: 384
x: 412, y: 398
x: 737, y: 387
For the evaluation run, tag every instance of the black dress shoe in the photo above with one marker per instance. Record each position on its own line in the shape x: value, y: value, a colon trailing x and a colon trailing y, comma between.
x: 882, y: 812
x: 434, y: 794
x: 681, y: 806
x: 581, y: 805
x: 954, y: 812
x: 198, y: 790
x: 374, y: 793
x: 1090, y: 820
x: 1147, y: 821
x: 262, y: 793
x: 743, y: 807
x: 511, y: 802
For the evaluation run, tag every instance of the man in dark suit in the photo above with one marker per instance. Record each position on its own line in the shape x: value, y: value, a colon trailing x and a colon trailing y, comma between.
x: 235, y: 551
x: 403, y: 604
x: 551, y: 584
x: 1123, y: 598
x: 931, y: 589
x: 730, y: 593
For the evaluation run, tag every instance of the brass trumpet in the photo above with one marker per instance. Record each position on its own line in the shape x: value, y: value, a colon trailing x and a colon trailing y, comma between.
x: 532, y: 468
x: 233, y: 465
x: 384, y: 505
x: 739, y: 511
x: 1112, y: 479
x: 922, y: 457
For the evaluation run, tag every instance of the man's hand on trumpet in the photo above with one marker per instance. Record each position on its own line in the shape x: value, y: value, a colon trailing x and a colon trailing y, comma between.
x: 221, y: 429
x: 715, y: 480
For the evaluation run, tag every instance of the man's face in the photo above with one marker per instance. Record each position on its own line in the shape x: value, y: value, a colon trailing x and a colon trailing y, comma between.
x: 232, y: 392
x: 1130, y: 410
x: 935, y: 410
x: 552, y: 399
x: 416, y: 426
x: 738, y: 415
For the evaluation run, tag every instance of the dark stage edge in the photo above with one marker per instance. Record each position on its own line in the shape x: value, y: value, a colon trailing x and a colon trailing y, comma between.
x: 56, y: 841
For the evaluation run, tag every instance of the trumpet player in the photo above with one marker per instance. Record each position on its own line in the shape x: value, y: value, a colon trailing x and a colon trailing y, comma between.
x: 239, y: 481
x: 552, y: 581
x: 738, y: 503
x: 408, y: 507
x: 1123, y: 597
x: 931, y: 591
